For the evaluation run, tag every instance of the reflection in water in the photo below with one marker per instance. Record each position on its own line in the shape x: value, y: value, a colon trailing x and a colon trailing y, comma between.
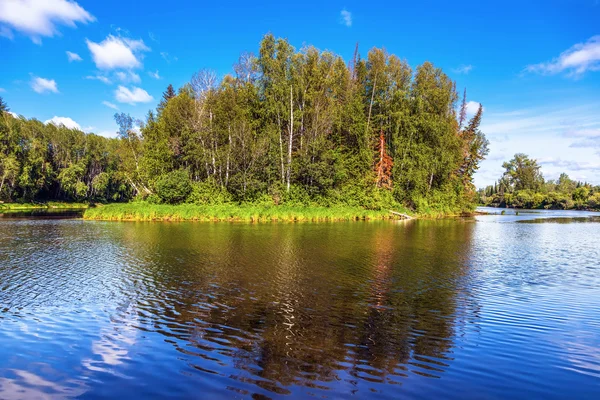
x: 373, y: 309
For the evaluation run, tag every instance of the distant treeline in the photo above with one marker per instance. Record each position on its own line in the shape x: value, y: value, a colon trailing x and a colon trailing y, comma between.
x: 523, y: 186
x: 286, y: 127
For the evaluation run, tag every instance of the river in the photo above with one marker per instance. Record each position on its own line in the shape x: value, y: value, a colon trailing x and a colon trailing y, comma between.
x: 496, y: 306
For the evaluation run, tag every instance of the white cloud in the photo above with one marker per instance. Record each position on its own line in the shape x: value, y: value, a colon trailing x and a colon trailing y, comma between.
x: 73, y: 56
x: 117, y: 52
x: 128, y: 76
x: 346, y: 18
x: 155, y: 75
x: 38, y: 18
x: 107, y: 134
x: 463, y: 69
x: 100, y: 78
x: 133, y: 96
x: 64, y: 121
x: 472, y: 107
x: 2, y: 90
x: 110, y: 105
x: 565, y: 138
x: 41, y: 85
x: 577, y: 60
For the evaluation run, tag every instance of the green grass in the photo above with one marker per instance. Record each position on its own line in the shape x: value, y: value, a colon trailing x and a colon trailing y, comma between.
x: 140, y: 211
x: 47, y: 205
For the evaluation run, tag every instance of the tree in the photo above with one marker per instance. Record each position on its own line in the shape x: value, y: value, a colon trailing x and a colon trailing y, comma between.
x: 167, y: 95
x: 383, y: 167
x: 174, y: 187
x: 522, y: 173
x: 286, y: 125
x: 475, y: 146
x: 3, y: 107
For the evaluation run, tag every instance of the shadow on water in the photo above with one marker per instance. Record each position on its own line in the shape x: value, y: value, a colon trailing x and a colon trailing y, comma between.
x: 42, y: 213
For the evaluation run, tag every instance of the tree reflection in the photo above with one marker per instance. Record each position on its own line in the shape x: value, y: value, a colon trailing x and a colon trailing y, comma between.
x: 311, y: 305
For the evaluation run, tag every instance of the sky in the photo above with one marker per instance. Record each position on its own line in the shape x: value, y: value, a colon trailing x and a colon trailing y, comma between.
x: 533, y: 65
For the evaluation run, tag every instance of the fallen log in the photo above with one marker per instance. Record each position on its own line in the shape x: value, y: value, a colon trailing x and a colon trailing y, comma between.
x: 404, y: 216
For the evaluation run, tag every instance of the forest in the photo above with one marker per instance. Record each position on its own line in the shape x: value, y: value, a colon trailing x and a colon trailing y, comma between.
x: 522, y: 185
x: 285, y: 127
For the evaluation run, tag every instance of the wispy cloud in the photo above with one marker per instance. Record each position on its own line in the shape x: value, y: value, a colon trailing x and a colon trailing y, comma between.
x: 346, y: 18
x: 154, y: 75
x: 110, y: 105
x: 73, y: 56
x: 2, y: 90
x: 100, y: 78
x: 37, y: 18
x: 575, y: 61
x: 167, y: 57
x: 128, y: 76
x: 463, y: 69
x: 132, y: 96
x: 116, y: 52
x: 42, y: 85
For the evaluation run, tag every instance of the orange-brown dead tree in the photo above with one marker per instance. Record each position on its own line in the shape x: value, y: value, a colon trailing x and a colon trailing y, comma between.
x: 383, y: 167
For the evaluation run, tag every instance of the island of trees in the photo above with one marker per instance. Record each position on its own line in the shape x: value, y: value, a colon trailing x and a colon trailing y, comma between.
x: 522, y: 185
x: 286, y: 127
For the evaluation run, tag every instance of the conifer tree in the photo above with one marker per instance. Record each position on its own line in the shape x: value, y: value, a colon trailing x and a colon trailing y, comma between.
x: 3, y: 106
x: 167, y: 95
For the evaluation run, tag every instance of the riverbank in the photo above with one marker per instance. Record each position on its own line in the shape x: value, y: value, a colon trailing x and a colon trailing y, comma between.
x: 232, y: 212
x: 40, y: 206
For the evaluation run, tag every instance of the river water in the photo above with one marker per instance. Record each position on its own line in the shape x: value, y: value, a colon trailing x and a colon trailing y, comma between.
x: 497, y: 306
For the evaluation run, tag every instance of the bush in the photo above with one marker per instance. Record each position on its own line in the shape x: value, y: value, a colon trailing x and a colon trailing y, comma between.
x: 174, y: 187
x: 594, y: 202
x: 208, y: 192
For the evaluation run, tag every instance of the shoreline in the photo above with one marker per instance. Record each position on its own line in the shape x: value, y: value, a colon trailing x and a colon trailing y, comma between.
x: 50, y: 205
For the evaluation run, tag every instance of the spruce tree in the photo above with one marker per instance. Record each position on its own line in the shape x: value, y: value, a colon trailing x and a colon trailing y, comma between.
x: 3, y: 106
x: 167, y: 95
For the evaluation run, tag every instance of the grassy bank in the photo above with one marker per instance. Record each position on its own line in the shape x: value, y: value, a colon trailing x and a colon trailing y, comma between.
x: 38, y: 206
x: 140, y: 211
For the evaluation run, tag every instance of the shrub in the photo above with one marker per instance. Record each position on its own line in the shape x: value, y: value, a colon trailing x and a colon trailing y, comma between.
x: 208, y: 192
x: 594, y: 201
x: 173, y: 187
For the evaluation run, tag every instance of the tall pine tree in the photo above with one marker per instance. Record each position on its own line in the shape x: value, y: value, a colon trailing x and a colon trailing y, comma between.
x: 167, y: 95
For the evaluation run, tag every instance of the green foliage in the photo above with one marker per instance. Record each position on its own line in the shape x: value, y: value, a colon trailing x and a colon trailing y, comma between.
x: 174, y: 187
x: 208, y: 192
x: 563, y: 194
x: 522, y: 173
x: 286, y: 127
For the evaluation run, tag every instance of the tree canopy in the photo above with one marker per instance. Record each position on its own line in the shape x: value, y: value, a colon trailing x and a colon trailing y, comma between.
x: 523, y: 186
x: 284, y: 126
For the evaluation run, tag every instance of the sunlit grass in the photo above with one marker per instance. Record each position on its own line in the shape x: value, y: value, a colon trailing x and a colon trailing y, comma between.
x: 140, y: 211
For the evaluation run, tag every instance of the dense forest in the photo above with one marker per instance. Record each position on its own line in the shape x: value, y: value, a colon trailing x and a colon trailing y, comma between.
x: 522, y: 185
x: 286, y: 126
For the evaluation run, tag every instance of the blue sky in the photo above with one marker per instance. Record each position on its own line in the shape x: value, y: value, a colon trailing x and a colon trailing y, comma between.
x: 534, y: 65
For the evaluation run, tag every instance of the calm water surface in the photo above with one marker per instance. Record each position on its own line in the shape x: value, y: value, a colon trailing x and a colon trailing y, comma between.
x: 502, y: 306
